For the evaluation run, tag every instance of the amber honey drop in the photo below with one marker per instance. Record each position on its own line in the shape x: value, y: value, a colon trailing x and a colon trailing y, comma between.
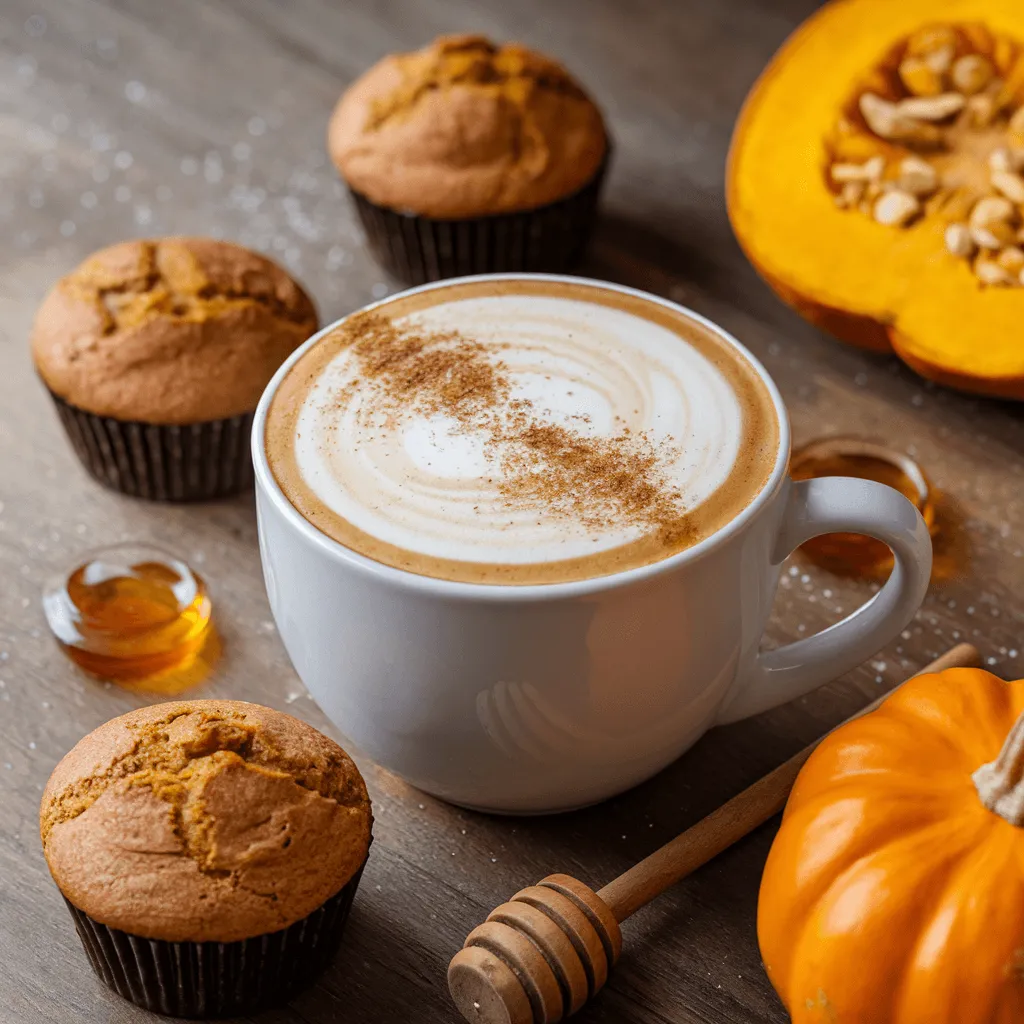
x: 135, y: 616
x: 853, y: 554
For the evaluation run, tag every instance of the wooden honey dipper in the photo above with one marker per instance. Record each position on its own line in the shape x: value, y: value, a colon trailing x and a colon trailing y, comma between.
x: 538, y: 958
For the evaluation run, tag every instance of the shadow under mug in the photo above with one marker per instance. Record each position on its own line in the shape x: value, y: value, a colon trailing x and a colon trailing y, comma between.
x: 526, y: 699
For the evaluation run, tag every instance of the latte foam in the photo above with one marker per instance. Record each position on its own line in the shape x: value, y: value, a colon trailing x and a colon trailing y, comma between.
x: 521, y: 432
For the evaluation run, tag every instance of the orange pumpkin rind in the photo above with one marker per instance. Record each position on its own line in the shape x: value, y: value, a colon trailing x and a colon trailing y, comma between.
x: 892, y: 894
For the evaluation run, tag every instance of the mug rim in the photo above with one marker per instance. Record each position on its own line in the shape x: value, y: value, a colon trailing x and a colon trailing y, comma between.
x: 387, y: 574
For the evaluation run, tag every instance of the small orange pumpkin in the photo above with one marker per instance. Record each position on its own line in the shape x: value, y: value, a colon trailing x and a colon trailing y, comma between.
x: 894, y: 891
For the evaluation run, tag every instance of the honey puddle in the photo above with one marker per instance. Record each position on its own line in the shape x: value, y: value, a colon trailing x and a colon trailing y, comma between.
x: 853, y: 554
x: 137, y: 617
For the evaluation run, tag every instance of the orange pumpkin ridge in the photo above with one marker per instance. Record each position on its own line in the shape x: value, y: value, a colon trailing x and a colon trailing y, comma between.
x: 894, y: 890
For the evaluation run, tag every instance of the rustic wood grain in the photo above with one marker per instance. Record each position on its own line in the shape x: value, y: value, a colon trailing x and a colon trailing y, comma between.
x: 128, y: 117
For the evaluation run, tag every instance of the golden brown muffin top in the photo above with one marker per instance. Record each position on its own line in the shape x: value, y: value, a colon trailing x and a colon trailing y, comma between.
x: 205, y: 820
x: 464, y: 128
x: 172, y: 330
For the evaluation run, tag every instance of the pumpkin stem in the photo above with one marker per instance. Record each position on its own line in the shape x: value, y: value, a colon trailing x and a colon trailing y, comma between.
x: 1000, y: 783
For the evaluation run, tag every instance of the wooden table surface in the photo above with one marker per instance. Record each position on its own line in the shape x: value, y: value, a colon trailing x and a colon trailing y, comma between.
x: 121, y: 118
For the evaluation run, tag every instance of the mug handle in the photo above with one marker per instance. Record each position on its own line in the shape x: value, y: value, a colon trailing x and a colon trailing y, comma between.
x: 841, y: 505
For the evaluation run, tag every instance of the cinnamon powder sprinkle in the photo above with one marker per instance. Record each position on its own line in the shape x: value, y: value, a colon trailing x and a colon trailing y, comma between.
x: 597, y: 481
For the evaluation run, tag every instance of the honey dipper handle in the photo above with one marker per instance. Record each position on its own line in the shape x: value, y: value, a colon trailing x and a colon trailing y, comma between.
x: 732, y: 821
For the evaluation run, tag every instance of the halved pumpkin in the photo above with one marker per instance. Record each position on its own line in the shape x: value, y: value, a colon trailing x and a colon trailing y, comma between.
x: 875, y: 285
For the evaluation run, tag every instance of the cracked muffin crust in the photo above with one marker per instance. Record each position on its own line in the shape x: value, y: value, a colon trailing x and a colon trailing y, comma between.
x: 169, y: 331
x: 207, y: 820
x: 464, y: 128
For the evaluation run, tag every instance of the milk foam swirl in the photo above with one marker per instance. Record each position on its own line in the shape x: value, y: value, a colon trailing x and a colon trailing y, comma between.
x: 427, y: 484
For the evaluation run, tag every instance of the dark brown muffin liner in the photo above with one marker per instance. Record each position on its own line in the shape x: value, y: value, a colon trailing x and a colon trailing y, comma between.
x: 216, y: 979
x: 162, y: 462
x: 548, y: 239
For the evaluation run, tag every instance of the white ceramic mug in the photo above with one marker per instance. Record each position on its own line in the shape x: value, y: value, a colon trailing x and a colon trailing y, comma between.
x: 542, y: 698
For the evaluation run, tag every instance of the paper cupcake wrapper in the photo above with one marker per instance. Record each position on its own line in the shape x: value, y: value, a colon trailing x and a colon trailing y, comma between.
x: 216, y: 979
x: 162, y: 462
x: 417, y: 249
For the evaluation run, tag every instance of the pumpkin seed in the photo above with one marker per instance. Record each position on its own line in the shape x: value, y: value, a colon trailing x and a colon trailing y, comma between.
x: 972, y: 73
x: 1001, y: 160
x: 871, y: 170
x: 841, y: 173
x: 940, y: 60
x: 990, y: 222
x: 959, y: 241
x: 850, y: 195
x: 874, y: 168
x: 917, y: 176
x: 981, y: 110
x: 887, y: 121
x: 992, y: 274
x: 896, y: 208
x: 993, y: 237
x: 991, y: 210
x: 1009, y: 184
x: 932, y: 108
x: 1011, y: 259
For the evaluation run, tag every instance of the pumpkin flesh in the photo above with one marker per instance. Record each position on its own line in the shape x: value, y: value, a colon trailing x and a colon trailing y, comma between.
x: 869, y: 284
x: 891, y: 894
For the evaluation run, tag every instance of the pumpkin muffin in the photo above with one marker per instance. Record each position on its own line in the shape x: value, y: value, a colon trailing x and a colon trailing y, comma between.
x: 156, y: 353
x: 208, y: 852
x: 467, y: 157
